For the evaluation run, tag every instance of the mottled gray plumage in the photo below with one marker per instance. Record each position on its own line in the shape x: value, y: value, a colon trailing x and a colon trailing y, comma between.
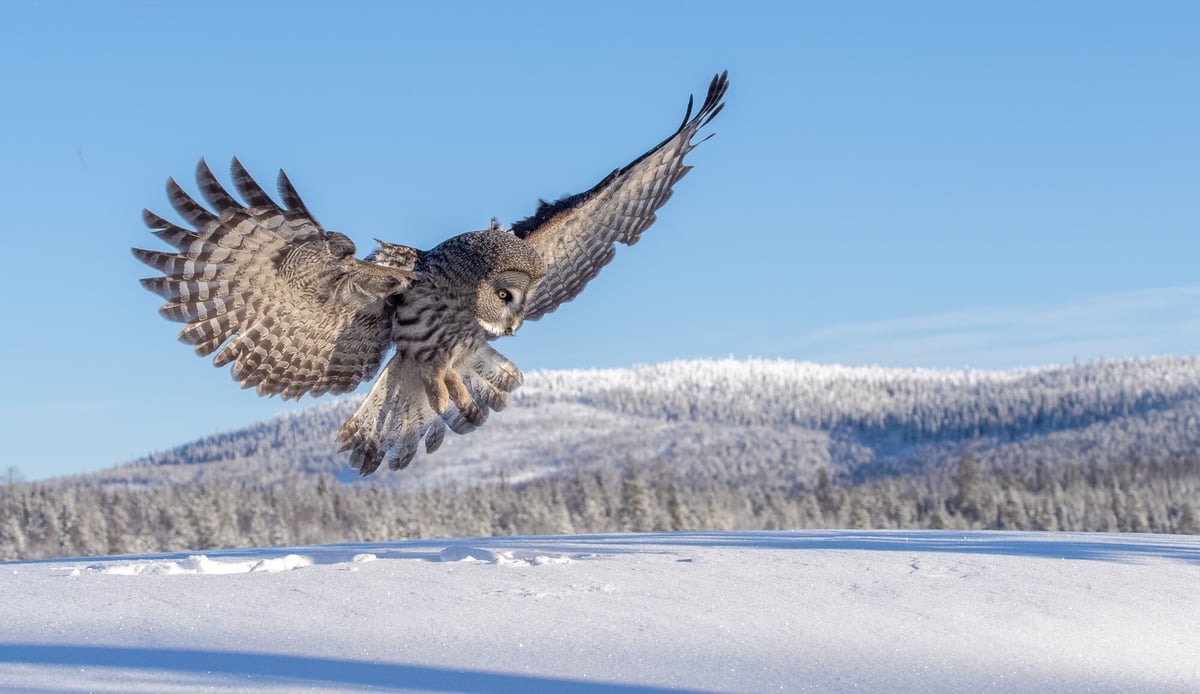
x: 290, y: 307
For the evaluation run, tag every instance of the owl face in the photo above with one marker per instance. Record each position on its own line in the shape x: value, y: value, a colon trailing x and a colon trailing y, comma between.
x: 501, y: 300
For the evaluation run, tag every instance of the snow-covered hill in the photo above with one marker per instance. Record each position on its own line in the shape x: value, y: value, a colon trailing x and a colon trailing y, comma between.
x: 747, y: 612
x: 778, y: 419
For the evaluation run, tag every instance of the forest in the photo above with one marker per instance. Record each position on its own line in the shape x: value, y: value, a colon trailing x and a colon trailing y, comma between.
x: 47, y: 520
x: 727, y: 445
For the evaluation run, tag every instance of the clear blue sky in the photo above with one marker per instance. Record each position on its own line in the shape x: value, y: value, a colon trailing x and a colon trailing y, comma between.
x: 907, y: 184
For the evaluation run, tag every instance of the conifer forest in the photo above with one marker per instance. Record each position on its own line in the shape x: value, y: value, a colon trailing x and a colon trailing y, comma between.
x: 1108, y: 446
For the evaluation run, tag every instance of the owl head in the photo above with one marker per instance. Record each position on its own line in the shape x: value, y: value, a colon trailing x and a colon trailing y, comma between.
x: 501, y: 300
x: 505, y: 271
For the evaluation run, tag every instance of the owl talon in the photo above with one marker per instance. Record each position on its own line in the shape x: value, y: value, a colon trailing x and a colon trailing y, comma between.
x: 462, y: 397
x: 439, y: 397
x: 474, y: 414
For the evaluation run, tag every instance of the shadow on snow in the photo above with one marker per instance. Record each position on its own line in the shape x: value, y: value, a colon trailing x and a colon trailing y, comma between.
x: 1046, y: 545
x: 307, y: 671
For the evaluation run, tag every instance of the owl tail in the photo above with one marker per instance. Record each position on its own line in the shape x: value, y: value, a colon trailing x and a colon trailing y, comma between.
x: 396, y: 414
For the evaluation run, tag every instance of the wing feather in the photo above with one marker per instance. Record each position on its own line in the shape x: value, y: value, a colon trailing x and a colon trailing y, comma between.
x: 248, y: 188
x: 295, y: 311
x: 576, y: 235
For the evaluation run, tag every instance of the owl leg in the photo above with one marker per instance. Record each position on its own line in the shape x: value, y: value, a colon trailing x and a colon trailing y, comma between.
x: 435, y: 389
x: 462, y: 397
x: 447, y: 386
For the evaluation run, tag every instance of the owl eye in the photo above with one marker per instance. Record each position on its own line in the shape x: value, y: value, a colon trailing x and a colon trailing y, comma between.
x: 504, y: 295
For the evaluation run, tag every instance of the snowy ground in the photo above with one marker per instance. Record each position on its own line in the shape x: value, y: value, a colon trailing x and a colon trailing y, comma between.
x: 752, y: 612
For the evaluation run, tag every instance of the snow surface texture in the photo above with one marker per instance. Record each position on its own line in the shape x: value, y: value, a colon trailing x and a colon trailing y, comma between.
x: 752, y: 612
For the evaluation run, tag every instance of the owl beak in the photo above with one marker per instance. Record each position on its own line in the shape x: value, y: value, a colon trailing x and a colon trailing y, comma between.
x: 512, y: 326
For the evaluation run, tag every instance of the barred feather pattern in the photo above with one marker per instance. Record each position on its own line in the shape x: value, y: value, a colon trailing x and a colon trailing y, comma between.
x: 442, y: 360
x: 294, y: 310
x: 576, y: 235
x: 396, y: 415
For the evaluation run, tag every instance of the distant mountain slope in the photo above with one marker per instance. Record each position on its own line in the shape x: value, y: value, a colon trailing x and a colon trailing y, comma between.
x: 714, y: 420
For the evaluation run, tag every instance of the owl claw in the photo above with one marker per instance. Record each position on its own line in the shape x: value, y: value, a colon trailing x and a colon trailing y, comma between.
x: 474, y: 414
x: 462, y: 397
x: 439, y: 397
x: 448, y: 387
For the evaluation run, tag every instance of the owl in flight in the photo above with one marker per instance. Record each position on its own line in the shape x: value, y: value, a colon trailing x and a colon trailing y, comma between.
x: 287, y: 303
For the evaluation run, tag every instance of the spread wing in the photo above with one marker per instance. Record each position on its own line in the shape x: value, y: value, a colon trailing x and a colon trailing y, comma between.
x: 576, y: 236
x: 295, y: 310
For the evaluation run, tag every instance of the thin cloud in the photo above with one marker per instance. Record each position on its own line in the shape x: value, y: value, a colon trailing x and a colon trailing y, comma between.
x: 1136, y: 323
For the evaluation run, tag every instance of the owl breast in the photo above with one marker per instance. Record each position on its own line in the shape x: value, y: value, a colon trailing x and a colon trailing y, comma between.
x: 429, y: 325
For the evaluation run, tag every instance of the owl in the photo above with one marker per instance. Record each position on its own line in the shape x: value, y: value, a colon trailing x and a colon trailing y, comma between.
x: 288, y: 305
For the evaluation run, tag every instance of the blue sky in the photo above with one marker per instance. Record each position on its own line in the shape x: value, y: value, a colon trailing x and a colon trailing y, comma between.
x: 905, y: 184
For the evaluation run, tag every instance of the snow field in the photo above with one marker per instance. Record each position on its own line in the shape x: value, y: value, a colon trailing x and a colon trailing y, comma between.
x: 752, y: 612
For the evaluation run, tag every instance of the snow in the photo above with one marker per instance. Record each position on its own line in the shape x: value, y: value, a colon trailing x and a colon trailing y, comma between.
x: 750, y: 612
x: 705, y: 417
x: 201, y: 564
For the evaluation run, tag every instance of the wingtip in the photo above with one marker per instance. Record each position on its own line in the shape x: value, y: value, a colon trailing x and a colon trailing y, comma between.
x: 711, y: 106
x: 290, y: 196
x: 152, y: 220
x: 152, y: 258
x: 204, y: 172
x: 154, y: 284
x: 687, y: 115
x: 713, y: 101
x: 248, y: 188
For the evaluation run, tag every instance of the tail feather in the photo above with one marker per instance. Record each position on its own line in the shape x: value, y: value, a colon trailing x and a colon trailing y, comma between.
x: 396, y: 416
x: 490, y: 376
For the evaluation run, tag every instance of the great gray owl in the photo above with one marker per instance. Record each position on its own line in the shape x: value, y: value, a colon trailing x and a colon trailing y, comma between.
x: 298, y: 313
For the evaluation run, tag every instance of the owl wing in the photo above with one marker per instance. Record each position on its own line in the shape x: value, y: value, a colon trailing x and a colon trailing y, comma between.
x: 295, y: 310
x: 576, y: 236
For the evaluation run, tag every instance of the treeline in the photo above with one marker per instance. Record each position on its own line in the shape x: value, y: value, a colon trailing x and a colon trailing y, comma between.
x: 53, y: 519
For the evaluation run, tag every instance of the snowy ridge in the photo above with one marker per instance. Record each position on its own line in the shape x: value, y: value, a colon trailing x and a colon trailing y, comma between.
x: 818, y: 395
x: 702, y: 417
